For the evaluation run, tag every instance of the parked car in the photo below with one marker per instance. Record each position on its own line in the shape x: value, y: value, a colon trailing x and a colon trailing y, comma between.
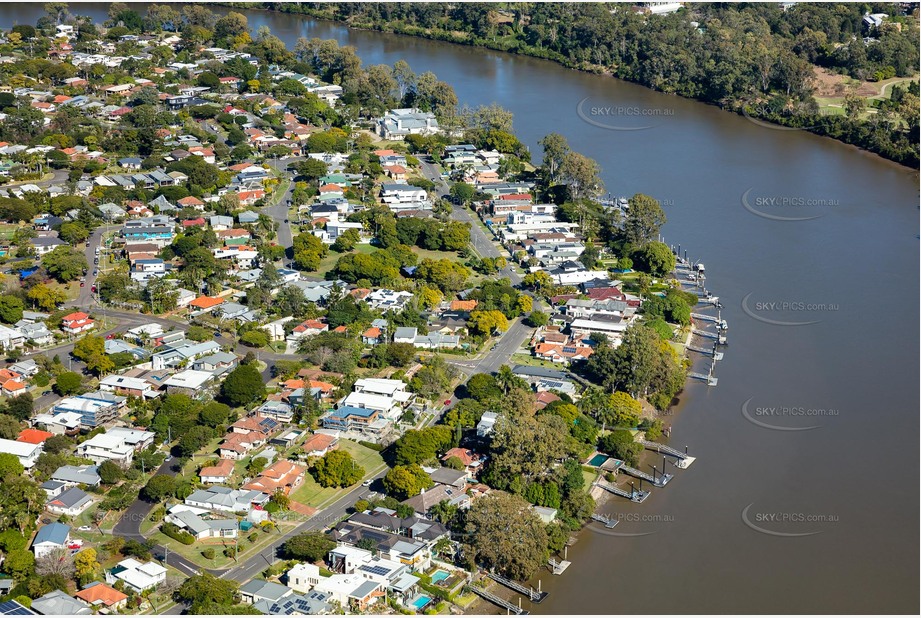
x: 367, y: 483
x: 82, y: 284
x: 217, y: 333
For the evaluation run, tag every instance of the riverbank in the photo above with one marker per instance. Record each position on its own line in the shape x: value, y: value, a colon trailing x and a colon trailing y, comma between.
x: 792, y: 115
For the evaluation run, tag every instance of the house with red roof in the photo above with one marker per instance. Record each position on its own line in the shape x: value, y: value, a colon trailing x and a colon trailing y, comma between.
x: 33, y: 436
x: 308, y: 328
x: 77, y: 322
x: 190, y: 201
x: 12, y: 388
x: 198, y: 222
x: 372, y: 336
x: 564, y: 354
x: 320, y: 444
x: 205, y: 302
x: 281, y: 476
x: 102, y: 595
x: 248, y: 198
x: 472, y: 461
x: 217, y: 474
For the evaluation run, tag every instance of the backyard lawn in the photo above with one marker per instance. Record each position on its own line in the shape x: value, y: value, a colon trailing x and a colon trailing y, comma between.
x: 310, y: 492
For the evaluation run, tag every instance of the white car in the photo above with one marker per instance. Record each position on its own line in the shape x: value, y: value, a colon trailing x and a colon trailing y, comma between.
x: 84, y: 528
x: 367, y: 483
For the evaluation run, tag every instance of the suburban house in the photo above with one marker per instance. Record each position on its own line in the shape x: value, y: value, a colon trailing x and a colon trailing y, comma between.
x: 70, y: 502
x: 77, y: 322
x: 281, y: 476
x: 220, y: 498
x: 201, y: 528
x: 49, y: 538
x: 220, y: 473
x: 25, y: 452
x: 137, y: 576
x: 398, y: 123
x: 103, y: 597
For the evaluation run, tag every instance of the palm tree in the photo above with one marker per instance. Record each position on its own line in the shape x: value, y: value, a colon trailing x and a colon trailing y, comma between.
x: 505, y: 378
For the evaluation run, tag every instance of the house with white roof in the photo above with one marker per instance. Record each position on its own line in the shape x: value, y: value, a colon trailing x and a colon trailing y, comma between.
x: 103, y: 447
x: 398, y: 123
x: 137, y: 576
x: 26, y: 453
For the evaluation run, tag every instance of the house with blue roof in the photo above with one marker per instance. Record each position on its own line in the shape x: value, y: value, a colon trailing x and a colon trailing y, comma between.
x: 49, y: 538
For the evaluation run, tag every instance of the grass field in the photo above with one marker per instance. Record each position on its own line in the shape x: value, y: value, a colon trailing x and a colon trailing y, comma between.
x: 310, y: 492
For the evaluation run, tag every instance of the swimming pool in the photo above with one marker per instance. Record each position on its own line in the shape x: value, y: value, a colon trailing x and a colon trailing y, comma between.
x: 597, y: 460
x: 420, y: 602
x: 439, y: 576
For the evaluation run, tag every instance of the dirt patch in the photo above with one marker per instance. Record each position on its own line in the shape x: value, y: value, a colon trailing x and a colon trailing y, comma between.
x: 830, y: 84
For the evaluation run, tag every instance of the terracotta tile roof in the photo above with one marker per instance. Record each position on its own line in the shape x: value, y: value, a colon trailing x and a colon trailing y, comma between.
x: 13, y: 386
x: 463, y: 305
x: 33, y: 436
x: 282, y: 475
x: 293, y: 384
x: 101, y: 593
x: 372, y: 333
x: 74, y: 317
x: 319, y: 442
x: 206, y: 302
x: 466, y: 456
x: 190, y: 200
x: 223, y: 468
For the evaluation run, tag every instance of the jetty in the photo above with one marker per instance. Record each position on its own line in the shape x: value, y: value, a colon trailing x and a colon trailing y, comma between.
x: 720, y: 339
x: 558, y: 567
x: 656, y: 480
x: 535, y: 596
x: 704, y: 377
x: 609, y: 522
x: 635, y: 495
x: 684, y: 460
x: 708, y: 351
x: 496, y: 600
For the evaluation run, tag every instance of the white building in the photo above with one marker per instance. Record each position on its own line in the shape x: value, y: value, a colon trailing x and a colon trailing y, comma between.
x: 487, y: 424
x: 27, y: 453
x: 398, y: 123
x: 104, y: 446
x: 137, y: 576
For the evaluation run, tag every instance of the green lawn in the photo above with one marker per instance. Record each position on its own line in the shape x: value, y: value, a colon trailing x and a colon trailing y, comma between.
x: 527, y: 359
x: 310, y: 492
x: 327, y: 263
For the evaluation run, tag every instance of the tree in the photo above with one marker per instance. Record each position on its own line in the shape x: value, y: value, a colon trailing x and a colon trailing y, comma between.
x: 620, y: 444
x: 644, y: 219
x: 483, y: 387
x: 417, y: 446
x: 159, y: 487
x: 243, y: 386
x: 581, y: 175
x: 20, y: 563
x: 64, y: 264
x: 487, y: 322
x: 538, y: 319
x: 403, y: 482
x: 73, y: 232
x: 346, y: 241
x: 9, y: 427
x: 206, y: 590
x: 255, y: 465
x: 89, y: 346
x: 555, y: 150
x: 55, y: 562
x: 516, y: 551
x: 308, y: 546
x: 463, y: 192
x: 86, y: 564
x: 10, y: 466
x: 337, y: 469
x: 656, y: 258
x: 68, y: 383
x: 110, y: 472
x: 10, y: 309
x: 230, y: 26
x: 45, y: 297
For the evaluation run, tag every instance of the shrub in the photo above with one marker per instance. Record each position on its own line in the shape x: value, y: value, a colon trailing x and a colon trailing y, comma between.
x: 208, y: 553
x: 173, y: 532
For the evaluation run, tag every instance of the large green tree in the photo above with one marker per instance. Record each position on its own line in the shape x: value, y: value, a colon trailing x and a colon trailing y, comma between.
x: 505, y: 535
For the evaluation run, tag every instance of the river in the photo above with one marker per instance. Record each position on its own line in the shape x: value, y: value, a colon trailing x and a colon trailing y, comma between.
x: 848, y: 487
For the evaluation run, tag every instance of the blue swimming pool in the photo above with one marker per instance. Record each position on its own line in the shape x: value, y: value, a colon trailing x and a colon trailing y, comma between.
x: 420, y: 602
x: 439, y: 576
x: 597, y: 460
